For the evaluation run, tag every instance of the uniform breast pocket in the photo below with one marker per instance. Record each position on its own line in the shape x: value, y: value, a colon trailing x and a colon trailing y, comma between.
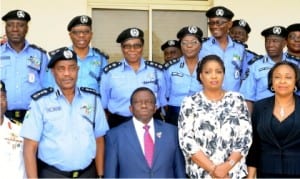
x: 95, y: 72
x: 54, y: 122
x: 262, y: 80
x: 5, y: 67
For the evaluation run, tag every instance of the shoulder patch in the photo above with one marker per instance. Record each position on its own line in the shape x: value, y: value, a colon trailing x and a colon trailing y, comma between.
x: 249, y: 51
x: 89, y: 90
x: 100, y: 52
x: 171, y: 62
x: 37, y: 47
x: 154, y: 64
x: 42, y: 93
x: 253, y: 60
x: 111, y: 66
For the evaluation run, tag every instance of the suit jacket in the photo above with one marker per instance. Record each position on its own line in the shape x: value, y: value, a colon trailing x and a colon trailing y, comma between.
x: 266, y: 154
x: 124, y: 157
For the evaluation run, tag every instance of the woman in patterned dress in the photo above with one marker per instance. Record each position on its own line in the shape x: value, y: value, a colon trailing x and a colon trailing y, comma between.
x: 215, y: 131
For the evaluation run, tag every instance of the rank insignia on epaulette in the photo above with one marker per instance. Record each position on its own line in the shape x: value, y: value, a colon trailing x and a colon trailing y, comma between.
x: 38, y: 48
x: 255, y: 59
x: 101, y: 53
x: 89, y: 90
x: 155, y: 64
x: 171, y: 62
x: 111, y: 66
x: 41, y: 93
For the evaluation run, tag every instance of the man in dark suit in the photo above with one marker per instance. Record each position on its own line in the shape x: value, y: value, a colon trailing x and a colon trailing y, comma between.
x: 131, y: 153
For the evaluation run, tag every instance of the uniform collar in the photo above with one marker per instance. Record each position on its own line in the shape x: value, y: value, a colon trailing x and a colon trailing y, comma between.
x: 214, y: 41
x: 9, y: 47
x: 126, y: 66
x: 58, y: 93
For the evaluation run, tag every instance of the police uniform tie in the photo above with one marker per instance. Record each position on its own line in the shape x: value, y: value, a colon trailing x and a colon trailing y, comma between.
x: 148, y: 146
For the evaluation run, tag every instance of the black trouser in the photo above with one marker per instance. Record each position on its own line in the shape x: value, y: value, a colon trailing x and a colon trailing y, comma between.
x: 16, y: 115
x: 114, y: 119
x: 172, y: 115
x: 48, y: 171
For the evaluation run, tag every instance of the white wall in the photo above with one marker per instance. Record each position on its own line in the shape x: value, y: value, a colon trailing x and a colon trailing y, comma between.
x: 50, y: 18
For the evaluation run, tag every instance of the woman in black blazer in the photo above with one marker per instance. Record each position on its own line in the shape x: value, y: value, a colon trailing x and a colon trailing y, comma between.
x: 275, y: 151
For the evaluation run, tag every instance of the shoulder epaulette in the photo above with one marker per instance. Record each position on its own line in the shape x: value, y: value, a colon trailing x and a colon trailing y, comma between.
x: 239, y: 42
x: 154, y: 64
x: 252, y: 52
x: 110, y: 66
x: 101, y: 53
x: 253, y: 60
x: 37, y: 47
x: 204, y: 39
x: 292, y: 57
x: 41, y: 93
x: 89, y: 90
x: 171, y: 62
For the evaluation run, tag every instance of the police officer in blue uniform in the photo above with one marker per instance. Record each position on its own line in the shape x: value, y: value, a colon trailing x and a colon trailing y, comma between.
x: 23, y: 65
x: 121, y: 78
x: 293, y: 41
x: 64, y: 128
x: 239, y: 31
x: 90, y: 60
x: 255, y: 86
x: 171, y: 49
x: 292, y: 44
x: 221, y: 44
x: 180, y: 74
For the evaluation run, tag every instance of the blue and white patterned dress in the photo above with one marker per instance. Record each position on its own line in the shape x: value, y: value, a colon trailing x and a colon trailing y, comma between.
x: 215, y: 128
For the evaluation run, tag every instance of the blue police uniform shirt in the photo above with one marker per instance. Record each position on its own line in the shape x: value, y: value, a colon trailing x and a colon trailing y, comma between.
x: 296, y: 61
x: 232, y: 57
x: 23, y: 73
x: 90, y: 70
x: 255, y: 86
x: 180, y: 82
x: 119, y: 80
x: 249, y: 55
x: 66, y: 132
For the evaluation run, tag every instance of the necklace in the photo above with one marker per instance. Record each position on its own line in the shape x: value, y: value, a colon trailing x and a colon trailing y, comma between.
x: 282, y: 108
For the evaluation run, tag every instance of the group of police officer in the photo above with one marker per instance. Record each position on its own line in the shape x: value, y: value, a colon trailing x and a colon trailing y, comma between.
x: 26, y: 69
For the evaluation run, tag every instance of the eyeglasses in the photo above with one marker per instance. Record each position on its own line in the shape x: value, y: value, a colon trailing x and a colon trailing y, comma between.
x: 217, y: 23
x: 130, y: 46
x: 189, y: 43
x: 294, y: 37
x: 78, y: 32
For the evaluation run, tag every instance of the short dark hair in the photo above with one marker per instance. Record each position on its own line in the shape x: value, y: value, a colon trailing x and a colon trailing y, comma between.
x: 290, y: 64
x: 142, y: 89
x: 206, y: 59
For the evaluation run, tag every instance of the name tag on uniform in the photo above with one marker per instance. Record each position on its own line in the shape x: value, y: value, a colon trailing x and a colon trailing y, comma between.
x: 53, y: 109
x: 264, y: 68
x: 176, y: 74
x: 4, y: 57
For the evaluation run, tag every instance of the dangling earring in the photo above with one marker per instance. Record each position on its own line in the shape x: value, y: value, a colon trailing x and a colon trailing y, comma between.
x: 295, y: 89
x: 272, y: 89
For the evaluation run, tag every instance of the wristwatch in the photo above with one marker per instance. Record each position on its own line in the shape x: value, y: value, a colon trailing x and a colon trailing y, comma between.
x: 231, y: 162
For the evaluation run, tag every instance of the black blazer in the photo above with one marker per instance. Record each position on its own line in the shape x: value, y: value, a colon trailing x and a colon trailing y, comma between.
x: 265, y: 153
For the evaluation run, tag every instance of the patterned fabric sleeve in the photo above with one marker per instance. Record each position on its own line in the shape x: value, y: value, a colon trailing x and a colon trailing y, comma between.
x: 186, y: 131
x: 244, y: 136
